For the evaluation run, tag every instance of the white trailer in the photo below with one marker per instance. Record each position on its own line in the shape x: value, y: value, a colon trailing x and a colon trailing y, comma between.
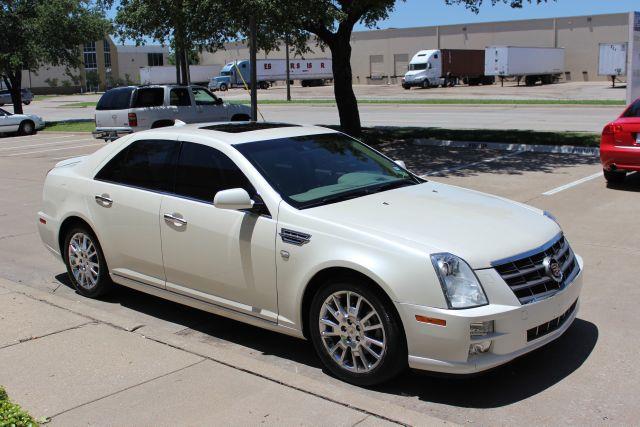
x: 167, y: 74
x: 544, y: 64
x: 310, y: 72
x: 612, y: 60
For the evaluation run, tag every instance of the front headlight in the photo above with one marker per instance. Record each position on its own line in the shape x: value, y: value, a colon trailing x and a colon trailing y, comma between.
x: 459, y: 283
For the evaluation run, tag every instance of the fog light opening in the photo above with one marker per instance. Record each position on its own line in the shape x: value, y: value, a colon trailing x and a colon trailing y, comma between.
x: 479, y: 347
x: 481, y: 329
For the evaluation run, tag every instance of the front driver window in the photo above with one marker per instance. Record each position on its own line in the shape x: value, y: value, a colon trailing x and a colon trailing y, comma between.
x: 179, y: 97
x: 203, y: 171
x: 203, y: 96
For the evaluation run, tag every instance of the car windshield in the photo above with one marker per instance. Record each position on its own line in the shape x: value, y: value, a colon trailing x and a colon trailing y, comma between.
x: 413, y: 67
x: 315, y: 170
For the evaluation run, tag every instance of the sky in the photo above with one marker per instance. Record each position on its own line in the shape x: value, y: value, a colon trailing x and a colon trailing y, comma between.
x: 419, y: 13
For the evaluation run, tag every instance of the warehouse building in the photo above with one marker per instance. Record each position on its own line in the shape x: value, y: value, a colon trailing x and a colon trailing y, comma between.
x: 382, y: 56
x: 104, y: 64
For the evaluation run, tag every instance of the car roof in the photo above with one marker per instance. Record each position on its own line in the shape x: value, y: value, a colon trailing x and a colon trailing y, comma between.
x: 233, y: 133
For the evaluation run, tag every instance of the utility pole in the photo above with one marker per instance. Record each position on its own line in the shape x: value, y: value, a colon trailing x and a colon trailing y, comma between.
x: 286, y: 48
x: 253, y: 52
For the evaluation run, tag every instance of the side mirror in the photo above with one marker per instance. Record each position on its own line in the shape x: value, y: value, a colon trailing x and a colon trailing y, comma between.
x: 219, y: 101
x: 234, y: 199
x: 400, y: 163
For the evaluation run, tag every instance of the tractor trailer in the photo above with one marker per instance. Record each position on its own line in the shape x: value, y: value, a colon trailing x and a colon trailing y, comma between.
x: 446, y: 67
x: 612, y: 61
x: 534, y: 64
x: 167, y: 74
x: 310, y: 72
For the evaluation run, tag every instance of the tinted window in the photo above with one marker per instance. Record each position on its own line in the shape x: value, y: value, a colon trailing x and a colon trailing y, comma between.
x: 203, y: 171
x: 149, y: 97
x: 180, y: 97
x: 203, y: 96
x: 115, y: 99
x: 633, y: 110
x: 417, y: 67
x: 147, y: 164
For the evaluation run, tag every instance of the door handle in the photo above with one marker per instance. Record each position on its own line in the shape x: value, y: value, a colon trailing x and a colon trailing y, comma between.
x: 104, y: 200
x: 175, y: 220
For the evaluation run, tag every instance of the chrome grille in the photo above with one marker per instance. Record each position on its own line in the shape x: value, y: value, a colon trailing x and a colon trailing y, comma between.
x: 526, y: 275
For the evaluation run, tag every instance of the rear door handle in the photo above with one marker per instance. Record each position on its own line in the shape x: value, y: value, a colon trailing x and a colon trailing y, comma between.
x: 104, y: 200
x: 175, y: 220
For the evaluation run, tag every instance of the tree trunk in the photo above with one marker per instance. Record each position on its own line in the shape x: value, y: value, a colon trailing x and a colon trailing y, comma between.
x: 343, y: 87
x: 15, y: 88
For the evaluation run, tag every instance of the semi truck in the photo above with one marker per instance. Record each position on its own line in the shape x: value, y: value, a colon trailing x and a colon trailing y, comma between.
x: 310, y: 72
x: 534, y: 64
x: 612, y: 61
x: 446, y: 67
x: 166, y: 74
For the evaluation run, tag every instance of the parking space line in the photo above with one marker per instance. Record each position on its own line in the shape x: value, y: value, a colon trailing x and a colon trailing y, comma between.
x: 46, y: 151
x: 493, y: 159
x: 45, y: 143
x: 39, y: 137
x: 572, y: 184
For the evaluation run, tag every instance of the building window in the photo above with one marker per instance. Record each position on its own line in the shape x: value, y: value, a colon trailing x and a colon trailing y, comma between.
x: 90, y: 59
x: 155, y: 59
x: 107, y: 54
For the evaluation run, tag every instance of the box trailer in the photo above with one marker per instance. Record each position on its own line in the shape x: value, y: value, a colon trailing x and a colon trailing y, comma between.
x: 446, y: 67
x: 198, y: 74
x: 534, y: 64
x: 310, y: 72
x: 612, y: 60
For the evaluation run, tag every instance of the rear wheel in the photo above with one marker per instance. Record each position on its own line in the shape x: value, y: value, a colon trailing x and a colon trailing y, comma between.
x: 614, y: 177
x: 356, y: 333
x: 240, y: 118
x: 27, y: 128
x: 26, y: 102
x: 86, y: 266
x: 223, y: 87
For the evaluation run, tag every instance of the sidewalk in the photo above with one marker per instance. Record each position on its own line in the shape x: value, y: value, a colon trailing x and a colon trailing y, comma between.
x: 76, y: 366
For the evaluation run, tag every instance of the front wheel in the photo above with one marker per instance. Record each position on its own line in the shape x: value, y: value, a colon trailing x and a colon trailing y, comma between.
x: 85, y: 262
x: 425, y: 84
x: 27, y: 128
x: 223, y: 87
x: 356, y: 333
x: 614, y: 177
x: 26, y: 102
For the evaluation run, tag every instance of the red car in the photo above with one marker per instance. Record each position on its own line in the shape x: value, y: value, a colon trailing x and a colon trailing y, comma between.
x: 620, y: 145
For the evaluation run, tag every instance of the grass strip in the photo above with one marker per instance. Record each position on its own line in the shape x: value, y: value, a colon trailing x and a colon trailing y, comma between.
x: 434, y: 101
x: 88, y: 126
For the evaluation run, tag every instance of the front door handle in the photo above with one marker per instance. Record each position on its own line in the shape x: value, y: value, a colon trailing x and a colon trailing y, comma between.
x: 104, y: 200
x: 175, y: 220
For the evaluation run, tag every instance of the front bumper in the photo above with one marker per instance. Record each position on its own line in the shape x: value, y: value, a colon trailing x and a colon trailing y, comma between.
x: 446, y: 348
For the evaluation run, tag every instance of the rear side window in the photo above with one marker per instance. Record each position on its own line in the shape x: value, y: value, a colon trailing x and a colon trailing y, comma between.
x: 149, y: 97
x: 115, y: 99
x: 633, y: 110
x: 179, y: 97
x: 147, y: 164
x: 203, y: 171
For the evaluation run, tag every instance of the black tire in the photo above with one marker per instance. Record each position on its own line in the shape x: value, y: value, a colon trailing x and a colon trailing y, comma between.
x: 240, y: 118
x: 426, y: 84
x: 614, y: 177
x: 223, y: 87
x: 162, y: 124
x: 26, y: 102
x: 27, y: 127
x: 406, y: 87
x: 103, y: 283
x: 393, y: 359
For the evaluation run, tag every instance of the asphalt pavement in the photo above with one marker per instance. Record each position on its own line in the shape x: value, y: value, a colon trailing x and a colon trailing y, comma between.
x: 586, y: 377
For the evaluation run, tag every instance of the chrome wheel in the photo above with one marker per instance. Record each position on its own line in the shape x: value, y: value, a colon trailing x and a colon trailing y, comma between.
x: 352, y: 332
x: 84, y: 260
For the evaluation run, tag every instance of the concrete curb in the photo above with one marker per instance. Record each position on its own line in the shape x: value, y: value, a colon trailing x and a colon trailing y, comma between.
x: 554, y: 149
x: 69, y: 121
x: 331, y: 389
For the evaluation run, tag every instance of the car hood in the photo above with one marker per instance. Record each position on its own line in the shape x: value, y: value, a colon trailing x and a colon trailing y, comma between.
x: 436, y: 217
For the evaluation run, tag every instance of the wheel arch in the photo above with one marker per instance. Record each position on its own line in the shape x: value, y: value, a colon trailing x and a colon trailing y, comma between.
x: 332, y: 272
x: 162, y: 123
x: 70, y: 221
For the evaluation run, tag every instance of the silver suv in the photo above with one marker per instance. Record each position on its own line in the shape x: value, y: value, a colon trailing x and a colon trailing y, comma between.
x: 5, y: 97
x: 131, y: 109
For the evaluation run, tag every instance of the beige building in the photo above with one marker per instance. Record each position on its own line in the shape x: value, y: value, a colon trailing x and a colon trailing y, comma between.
x: 381, y: 56
x: 105, y: 65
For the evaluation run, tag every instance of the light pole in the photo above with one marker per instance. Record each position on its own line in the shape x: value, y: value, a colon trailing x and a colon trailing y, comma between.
x: 253, y: 51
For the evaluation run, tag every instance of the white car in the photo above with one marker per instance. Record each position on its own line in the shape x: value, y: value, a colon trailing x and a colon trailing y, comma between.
x: 129, y: 109
x: 24, y: 124
x: 306, y: 231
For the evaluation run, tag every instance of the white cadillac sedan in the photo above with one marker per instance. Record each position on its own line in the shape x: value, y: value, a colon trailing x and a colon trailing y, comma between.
x: 306, y: 231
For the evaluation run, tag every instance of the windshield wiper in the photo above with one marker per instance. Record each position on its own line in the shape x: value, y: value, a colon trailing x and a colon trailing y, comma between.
x: 391, y: 185
x: 364, y: 191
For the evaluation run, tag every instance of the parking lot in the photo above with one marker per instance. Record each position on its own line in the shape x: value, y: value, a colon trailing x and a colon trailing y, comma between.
x: 588, y: 376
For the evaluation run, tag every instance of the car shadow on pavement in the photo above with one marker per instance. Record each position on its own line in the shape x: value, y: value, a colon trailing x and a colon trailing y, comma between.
x: 518, y: 380
x: 461, y: 162
x: 630, y: 183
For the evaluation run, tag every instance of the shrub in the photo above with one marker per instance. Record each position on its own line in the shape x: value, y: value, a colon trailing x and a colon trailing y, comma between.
x: 12, y: 415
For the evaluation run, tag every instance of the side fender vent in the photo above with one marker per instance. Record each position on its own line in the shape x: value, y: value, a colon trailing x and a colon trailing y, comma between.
x: 294, y: 237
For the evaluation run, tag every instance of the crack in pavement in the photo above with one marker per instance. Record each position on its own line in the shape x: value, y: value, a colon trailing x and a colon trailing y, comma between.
x: 37, y: 337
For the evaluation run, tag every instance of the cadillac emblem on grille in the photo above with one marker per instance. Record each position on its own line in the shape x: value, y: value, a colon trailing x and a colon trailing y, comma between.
x: 553, y: 268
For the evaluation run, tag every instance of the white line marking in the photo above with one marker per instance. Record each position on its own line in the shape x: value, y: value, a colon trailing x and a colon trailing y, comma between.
x: 44, y: 143
x: 46, y: 151
x: 493, y: 159
x: 38, y: 137
x: 572, y: 184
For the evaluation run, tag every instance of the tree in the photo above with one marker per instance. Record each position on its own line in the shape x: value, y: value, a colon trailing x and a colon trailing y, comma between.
x: 39, y: 32
x: 193, y: 57
x: 474, y: 5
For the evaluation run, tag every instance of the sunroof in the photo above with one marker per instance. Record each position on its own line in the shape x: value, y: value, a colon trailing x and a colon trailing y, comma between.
x: 246, y: 126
